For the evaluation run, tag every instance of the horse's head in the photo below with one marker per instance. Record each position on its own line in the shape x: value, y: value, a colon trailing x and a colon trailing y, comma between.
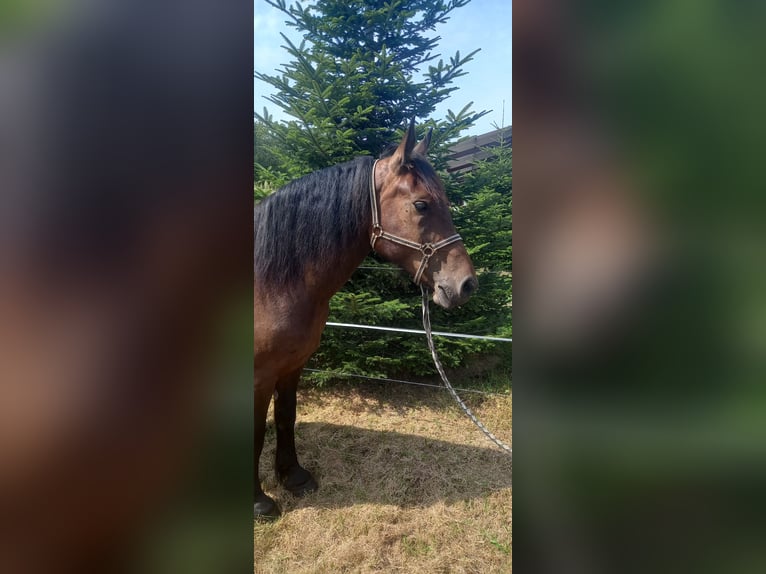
x: 414, y: 227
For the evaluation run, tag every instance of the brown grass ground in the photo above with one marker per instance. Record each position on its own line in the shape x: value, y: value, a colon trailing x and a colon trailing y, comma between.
x: 407, y: 484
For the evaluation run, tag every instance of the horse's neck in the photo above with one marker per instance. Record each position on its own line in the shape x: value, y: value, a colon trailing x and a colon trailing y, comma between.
x: 325, y: 281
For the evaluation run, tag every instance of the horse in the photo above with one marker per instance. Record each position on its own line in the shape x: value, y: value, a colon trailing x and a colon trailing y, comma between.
x: 310, y: 236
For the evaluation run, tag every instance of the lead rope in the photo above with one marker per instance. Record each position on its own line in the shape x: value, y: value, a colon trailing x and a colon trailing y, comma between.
x: 437, y: 362
x: 427, y: 250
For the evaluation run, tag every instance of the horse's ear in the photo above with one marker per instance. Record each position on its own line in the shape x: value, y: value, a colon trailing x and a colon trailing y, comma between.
x: 403, y: 153
x: 422, y: 147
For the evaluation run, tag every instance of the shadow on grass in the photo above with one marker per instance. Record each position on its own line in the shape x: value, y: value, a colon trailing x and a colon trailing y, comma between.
x: 361, y: 466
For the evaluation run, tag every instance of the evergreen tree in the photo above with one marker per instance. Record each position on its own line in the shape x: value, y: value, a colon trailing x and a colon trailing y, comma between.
x: 351, y: 84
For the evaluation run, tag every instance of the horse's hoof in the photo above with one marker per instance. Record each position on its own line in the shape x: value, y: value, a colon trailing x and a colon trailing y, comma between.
x: 299, y: 482
x: 265, y: 509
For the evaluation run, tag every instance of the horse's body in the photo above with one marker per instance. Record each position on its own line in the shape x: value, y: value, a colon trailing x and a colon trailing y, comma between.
x: 309, y: 238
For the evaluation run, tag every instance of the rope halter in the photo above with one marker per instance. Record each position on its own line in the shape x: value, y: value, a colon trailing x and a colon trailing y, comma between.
x: 427, y: 250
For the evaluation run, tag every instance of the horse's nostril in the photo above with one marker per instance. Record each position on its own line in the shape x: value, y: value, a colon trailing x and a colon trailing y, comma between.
x: 469, y: 286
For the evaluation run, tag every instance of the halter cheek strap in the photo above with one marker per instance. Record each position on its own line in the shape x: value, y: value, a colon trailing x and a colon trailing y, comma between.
x: 426, y: 249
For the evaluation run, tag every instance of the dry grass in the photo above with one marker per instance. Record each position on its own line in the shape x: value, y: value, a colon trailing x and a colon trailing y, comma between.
x: 407, y: 484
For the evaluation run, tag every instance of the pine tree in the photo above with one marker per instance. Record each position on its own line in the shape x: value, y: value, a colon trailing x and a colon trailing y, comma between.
x: 352, y: 84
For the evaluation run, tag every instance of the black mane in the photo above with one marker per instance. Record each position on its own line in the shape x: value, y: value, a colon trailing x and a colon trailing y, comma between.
x: 311, y: 220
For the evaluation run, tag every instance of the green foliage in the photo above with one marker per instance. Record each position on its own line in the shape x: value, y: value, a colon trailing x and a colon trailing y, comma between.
x: 348, y: 88
x: 350, y: 85
x: 261, y: 190
x: 483, y: 212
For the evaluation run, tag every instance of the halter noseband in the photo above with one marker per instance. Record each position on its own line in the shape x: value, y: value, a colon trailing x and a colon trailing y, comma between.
x: 426, y: 249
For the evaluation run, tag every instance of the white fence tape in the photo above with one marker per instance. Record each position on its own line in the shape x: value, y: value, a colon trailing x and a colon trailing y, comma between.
x: 420, y: 332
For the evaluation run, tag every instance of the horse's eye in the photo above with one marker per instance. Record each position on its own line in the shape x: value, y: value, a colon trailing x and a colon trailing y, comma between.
x: 421, y: 206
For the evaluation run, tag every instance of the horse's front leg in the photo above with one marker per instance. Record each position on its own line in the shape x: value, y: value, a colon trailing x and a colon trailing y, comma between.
x: 264, y: 506
x: 292, y: 475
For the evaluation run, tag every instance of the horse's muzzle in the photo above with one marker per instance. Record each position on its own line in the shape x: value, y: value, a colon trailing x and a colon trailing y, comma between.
x: 449, y: 295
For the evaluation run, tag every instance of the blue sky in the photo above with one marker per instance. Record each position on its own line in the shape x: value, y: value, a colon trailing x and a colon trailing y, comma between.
x: 484, y: 24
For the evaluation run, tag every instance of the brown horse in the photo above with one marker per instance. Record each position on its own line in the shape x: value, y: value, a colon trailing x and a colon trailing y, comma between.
x: 309, y: 238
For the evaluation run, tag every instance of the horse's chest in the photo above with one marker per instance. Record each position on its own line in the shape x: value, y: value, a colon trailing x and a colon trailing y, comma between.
x: 287, y: 336
x: 299, y: 341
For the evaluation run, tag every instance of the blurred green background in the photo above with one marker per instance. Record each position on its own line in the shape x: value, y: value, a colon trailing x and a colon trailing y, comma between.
x: 647, y: 455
